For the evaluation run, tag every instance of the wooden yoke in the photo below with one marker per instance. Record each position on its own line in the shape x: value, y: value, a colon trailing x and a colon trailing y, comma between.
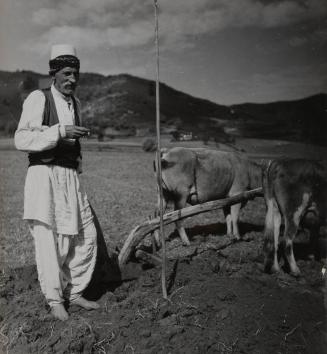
x: 142, y: 230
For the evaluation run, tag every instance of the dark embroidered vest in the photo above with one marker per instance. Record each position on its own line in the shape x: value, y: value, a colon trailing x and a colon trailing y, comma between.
x: 66, y: 153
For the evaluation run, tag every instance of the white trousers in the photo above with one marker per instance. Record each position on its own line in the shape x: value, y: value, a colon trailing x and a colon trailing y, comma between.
x: 65, y: 263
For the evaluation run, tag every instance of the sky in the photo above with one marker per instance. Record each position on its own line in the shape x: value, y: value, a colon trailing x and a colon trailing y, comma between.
x: 227, y: 51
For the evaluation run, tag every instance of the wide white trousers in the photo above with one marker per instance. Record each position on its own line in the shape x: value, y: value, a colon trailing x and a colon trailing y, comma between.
x: 65, y: 263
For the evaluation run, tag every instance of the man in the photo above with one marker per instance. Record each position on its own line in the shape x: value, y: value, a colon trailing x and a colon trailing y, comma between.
x: 55, y: 204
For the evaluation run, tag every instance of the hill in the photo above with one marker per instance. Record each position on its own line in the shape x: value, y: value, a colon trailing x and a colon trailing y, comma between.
x: 300, y: 120
x: 125, y: 105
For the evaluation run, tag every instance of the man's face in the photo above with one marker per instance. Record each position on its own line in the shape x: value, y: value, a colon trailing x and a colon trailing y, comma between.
x: 66, y: 80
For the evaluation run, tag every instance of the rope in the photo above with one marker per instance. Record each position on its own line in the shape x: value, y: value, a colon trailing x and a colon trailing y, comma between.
x: 159, y: 172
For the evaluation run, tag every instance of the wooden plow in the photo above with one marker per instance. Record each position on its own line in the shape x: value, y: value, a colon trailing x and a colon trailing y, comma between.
x: 149, y: 226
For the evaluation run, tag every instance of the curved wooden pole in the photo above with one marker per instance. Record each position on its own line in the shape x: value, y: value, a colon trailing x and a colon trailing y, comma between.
x: 140, y: 231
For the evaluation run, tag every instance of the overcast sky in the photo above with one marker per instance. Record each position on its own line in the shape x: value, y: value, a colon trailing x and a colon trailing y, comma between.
x: 228, y: 51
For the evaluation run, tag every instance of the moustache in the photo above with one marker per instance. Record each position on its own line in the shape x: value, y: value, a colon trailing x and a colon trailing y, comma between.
x: 70, y: 86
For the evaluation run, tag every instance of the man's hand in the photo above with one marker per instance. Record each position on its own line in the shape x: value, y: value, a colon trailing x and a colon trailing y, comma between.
x: 75, y: 132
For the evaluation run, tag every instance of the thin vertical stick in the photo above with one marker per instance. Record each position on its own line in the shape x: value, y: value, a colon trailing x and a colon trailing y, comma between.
x: 159, y: 173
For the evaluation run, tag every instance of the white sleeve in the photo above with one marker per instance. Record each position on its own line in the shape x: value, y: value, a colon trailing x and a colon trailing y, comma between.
x: 30, y: 135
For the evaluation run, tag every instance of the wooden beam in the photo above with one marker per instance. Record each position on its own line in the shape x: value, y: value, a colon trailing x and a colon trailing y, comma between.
x: 148, y: 257
x: 140, y: 231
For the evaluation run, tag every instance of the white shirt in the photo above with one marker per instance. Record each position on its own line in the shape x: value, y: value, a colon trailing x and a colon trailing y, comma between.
x: 31, y: 135
x: 52, y: 194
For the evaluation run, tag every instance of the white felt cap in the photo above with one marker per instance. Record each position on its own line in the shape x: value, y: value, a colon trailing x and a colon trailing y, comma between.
x: 62, y: 49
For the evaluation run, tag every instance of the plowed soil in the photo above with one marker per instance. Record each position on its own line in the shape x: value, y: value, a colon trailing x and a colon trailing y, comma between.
x: 219, y: 298
x: 220, y: 301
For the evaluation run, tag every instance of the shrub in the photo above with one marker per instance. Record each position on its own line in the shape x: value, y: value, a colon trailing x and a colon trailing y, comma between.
x: 149, y: 145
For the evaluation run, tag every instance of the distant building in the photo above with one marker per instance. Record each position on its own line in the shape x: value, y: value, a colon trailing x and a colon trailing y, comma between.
x: 182, y: 136
x: 186, y: 136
